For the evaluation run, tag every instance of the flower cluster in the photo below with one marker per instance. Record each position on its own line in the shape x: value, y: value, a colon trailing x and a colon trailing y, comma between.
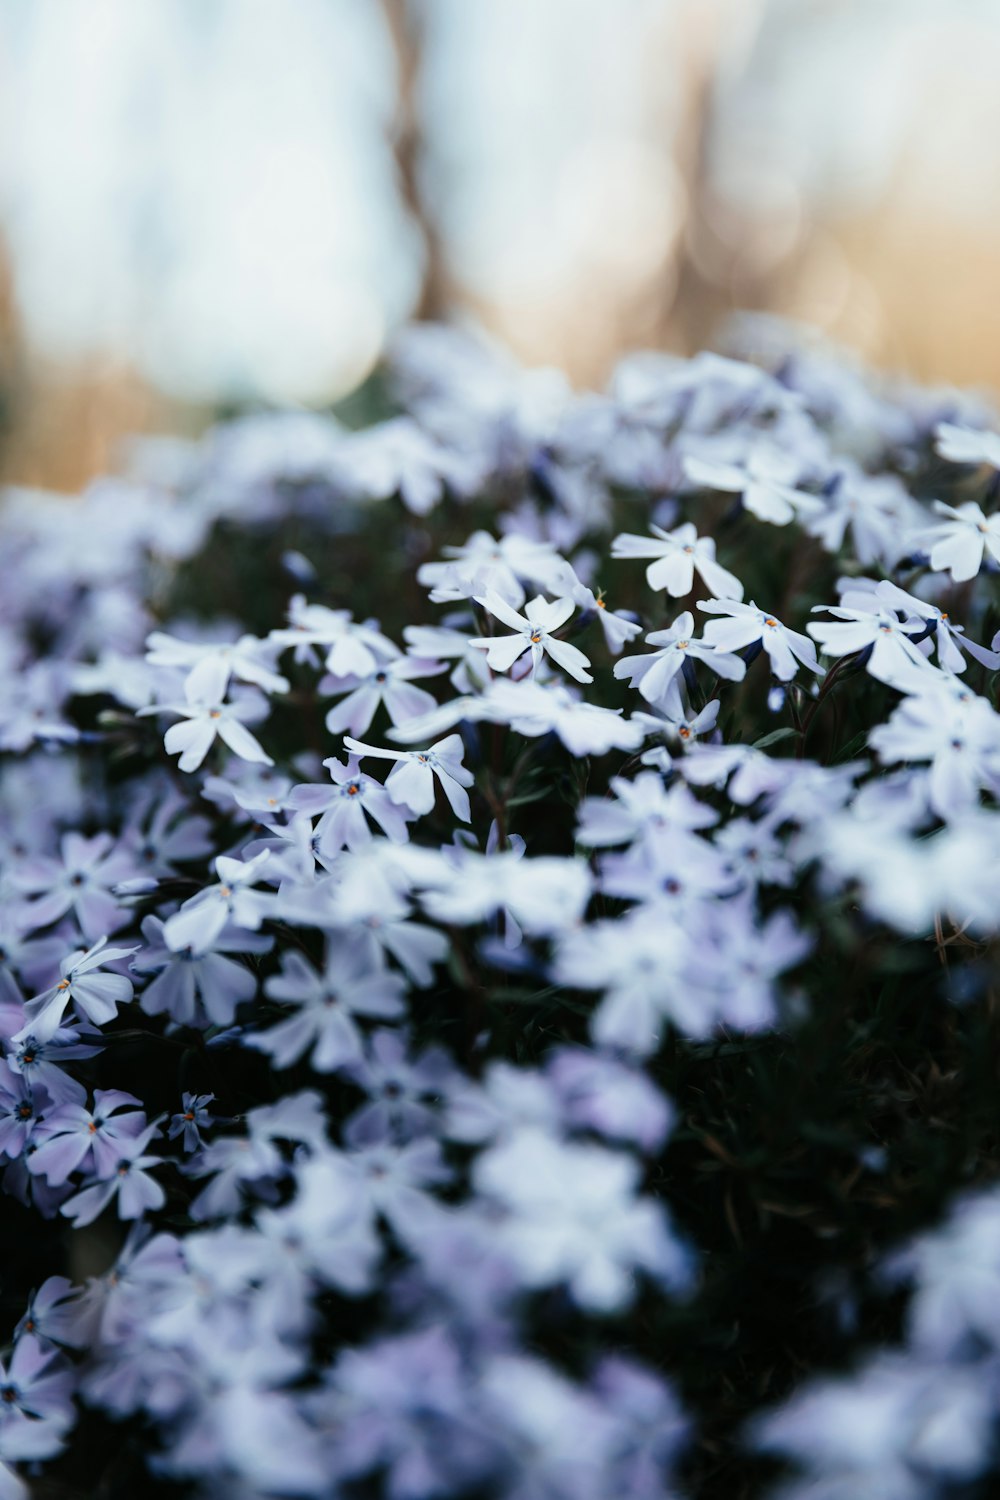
x: 427, y: 936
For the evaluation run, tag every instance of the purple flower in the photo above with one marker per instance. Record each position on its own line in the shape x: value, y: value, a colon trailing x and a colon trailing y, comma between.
x: 80, y: 882
x: 401, y: 1091
x: 342, y: 808
x: 96, y: 996
x: 390, y: 683
x: 73, y: 1139
x: 410, y: 783
x: 130, y: 1183
x: 326, y: 1006
x: 197, y: 986
x: 194, y: 1117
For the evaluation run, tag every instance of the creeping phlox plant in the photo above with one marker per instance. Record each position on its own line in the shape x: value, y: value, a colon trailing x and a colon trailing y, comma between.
x: 499, y: 920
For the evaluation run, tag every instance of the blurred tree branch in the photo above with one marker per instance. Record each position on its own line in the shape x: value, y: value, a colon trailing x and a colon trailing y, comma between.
x: 407, y: 142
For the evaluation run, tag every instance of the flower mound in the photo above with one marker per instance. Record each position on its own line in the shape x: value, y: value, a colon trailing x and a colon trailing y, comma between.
x: 521, y: 1064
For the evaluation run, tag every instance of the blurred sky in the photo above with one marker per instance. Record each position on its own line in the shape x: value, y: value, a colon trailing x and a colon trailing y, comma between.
x: 221, y: 201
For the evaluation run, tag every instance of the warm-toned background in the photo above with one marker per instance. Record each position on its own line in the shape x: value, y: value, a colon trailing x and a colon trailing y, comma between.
x: 209, y: 204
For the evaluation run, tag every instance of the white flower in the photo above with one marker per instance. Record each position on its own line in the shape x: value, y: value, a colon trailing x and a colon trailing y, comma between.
x: 206, y: 719
x: 957, y: 546
x: 962, y: 445
x: 201, y: 920
x: 532, y: 709
x: 353, y: 648
x: 485, y: 564
x: 617, y: 629
x: 533, y: 632
x: 679, y: 555
x: 545, y: 895
x: 949, y: 637
x: 573, y: 1216
x: 654, y: 675
x: 958, y: 735
x: 391, y: 684
x: 766, y: 480
x: 869, y: 625
x: 96, y: 996
x: 748, y: 624
x: 211, y: 665
x: 411, y: 780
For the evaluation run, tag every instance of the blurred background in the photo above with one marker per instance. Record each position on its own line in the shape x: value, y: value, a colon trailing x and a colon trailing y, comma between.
x: 209, y: 205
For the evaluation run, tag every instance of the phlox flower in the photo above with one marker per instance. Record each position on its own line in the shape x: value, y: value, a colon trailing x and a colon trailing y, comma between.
x: 605, y: 1094
x: 446, y: 643
x: 37, y: 1384
x: 680, y: 729
x: 353, y: 648
x: 958, y: 545
x: 747, y: 625
x: 679, y: 554
x: 79, y: 881
x: 411, y: 780
x: 20, y: 1108
x: 96, y: 996
x: 767, y: 481
x: 402, y: 1089
x: 43, y: 1065
x: 533, y: 633
x: 24, y: 961
x: 74, y: 1139
x: 483, y: 564
x: 559, y: 1440
x: 164, y: 834
x: 504, y: 1100
x: 50, y: 1314
x: 636, y: 962
x: 194, y: 1117
x: 868, y: 625
x: 31, y: 707
x: 954, y: 1270
x: 399, y: 457
x: 584, y: 728
x: 544, y: 895
x: 871, y: 1432
x: 533, y: 708
x: 572, y: 1216
x: 617, y: 629
x: 396, y: 1180
x: 326, y: 1004
x: 194, y: 983
x: 949, y: 637
x: 671, y: 869
x: 390, y: 684
x: 210, y: 666
x: 406, y: 1406
x: 343, y: 807
x: 875, y: 508
x: 641, y: 808
x: 960, y: 737
x: 963, y: 445
x: 129, y: 1183
x: 204, y: 720
x: 233, y: 899
x: 654, y: 674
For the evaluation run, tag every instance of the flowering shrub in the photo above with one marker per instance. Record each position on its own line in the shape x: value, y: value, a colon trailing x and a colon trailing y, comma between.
x: 498, y: 946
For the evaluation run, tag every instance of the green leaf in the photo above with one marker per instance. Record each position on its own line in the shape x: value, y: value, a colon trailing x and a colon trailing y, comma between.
x: 775, y: 738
